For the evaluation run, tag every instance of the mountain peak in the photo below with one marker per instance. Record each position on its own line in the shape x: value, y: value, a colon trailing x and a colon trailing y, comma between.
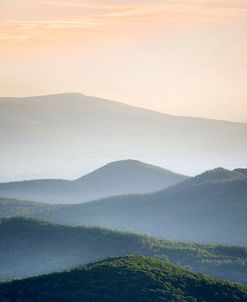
x: 125, y: 162
x: 130, y: 168
x: 132, y: 163
x: 218, y: 174
x: 116, y: 178
x: 129, y: 177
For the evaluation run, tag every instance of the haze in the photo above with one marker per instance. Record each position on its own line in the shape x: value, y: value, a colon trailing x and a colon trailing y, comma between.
x: 178, y: 57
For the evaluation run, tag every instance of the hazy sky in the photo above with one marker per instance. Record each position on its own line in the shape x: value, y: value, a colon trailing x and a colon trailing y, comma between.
x: 180, y: 57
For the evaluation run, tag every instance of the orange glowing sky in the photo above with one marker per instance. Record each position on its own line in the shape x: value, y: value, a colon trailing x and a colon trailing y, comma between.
x: 179, y: 57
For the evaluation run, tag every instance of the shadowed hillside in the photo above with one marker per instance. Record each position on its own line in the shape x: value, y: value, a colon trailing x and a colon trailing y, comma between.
x: 130, y: 278
x: 29, y: 247
x: 209, y: 208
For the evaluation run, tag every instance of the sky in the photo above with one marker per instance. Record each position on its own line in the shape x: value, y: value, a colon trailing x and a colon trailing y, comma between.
x: 179, y: 57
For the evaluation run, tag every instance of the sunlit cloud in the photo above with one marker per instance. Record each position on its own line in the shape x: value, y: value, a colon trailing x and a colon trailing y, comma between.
x: 116, y: 18
x: 14, y: 37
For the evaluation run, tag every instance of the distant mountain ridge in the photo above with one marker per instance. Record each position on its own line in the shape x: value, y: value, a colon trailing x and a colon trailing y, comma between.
x: 209, y: 208
x: 116, y: 178
x: 130, y: 278
x: 57, y: 135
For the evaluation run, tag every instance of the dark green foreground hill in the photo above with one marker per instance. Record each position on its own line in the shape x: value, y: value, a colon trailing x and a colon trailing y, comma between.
x: 125, y: 279
x: 29, y: 247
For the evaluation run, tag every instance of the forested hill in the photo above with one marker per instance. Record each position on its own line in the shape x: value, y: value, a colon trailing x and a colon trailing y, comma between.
x: 29, y: 247
x: 130, y: 278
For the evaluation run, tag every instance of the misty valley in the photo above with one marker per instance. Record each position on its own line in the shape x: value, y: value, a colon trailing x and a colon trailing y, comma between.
x: 128, y: 229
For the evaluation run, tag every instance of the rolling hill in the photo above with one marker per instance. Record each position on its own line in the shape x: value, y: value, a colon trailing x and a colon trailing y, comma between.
x: 14, y: 207
x: 57, y: 136
x: 129, y: 278
x: 242, y: 171
x: 208, y: 208
x: 29, y: 247
x: 116, y: 178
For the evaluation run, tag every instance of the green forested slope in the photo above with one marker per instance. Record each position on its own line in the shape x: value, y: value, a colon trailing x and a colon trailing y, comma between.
x: 29, y: 247
x: 130, y: 278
